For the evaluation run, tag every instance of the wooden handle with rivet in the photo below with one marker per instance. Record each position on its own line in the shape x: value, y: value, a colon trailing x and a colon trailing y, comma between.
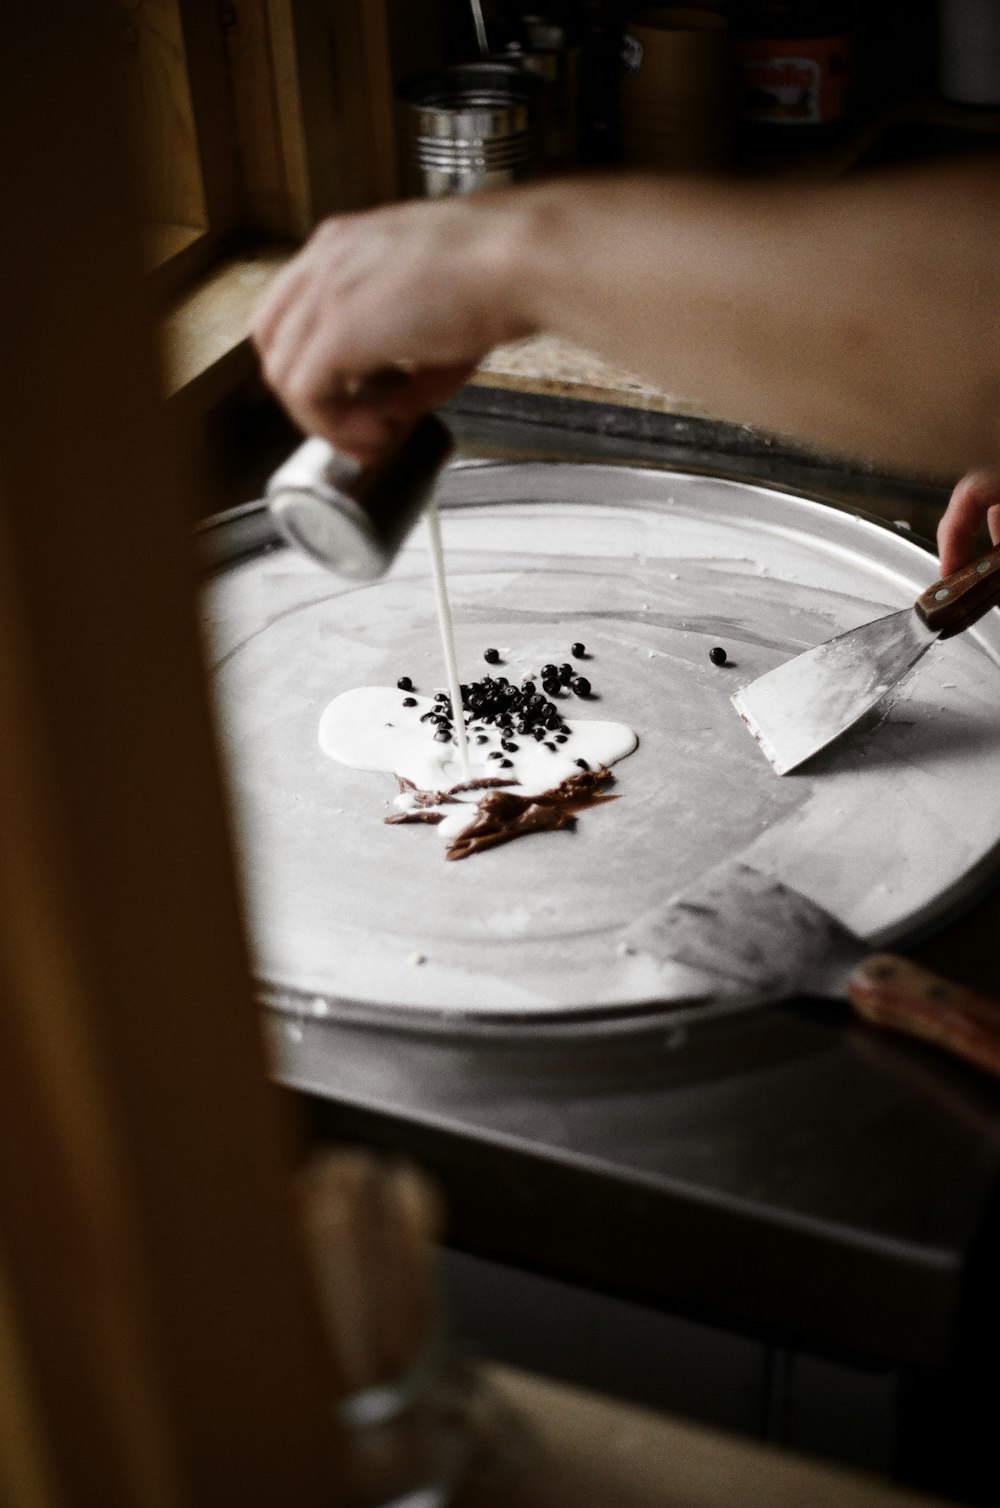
x: 957, y: 601
x: 899, y: 994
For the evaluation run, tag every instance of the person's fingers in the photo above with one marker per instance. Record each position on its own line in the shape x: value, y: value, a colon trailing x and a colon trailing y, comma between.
x: 281, y: 293
x: 283, y: 358
x: 974, y: 501
x: 419, y: 391
x: 374, y: 323
x: 365, y: 419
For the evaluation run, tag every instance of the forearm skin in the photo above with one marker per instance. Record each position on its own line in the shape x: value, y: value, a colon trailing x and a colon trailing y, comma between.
x: 863, y: 316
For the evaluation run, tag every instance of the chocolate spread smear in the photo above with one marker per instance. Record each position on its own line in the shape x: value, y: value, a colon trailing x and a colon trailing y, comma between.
x: 441, y: 798
x: 500, y: 815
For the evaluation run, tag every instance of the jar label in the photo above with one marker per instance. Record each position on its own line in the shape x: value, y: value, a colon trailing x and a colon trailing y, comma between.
x: 795, y: 82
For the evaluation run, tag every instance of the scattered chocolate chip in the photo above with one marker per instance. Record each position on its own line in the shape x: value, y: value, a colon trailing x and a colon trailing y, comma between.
x: 527, y: 688
x: 582, y: 764
x: 494, y: 754
x: 718, y: 655
x: 561, y: 738
x: 566, y: 673
x: 481, y: 738
x: 505, y: 743
x: 506, y: 764
x: 442, y: 736
x: 404, y: 683
x: 491, y: 656
x: 580, y: 685
x: 409, y: 701
x: 578, y: 651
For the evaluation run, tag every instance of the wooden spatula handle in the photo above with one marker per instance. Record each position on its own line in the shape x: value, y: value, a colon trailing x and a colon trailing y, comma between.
x: 957, y: 601
x: 899, y: 994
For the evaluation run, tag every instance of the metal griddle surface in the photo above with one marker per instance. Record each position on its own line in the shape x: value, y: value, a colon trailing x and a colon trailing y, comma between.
x: 650, y: 569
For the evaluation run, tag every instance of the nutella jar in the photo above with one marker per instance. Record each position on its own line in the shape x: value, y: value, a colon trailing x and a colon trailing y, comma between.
x: 795, y: 69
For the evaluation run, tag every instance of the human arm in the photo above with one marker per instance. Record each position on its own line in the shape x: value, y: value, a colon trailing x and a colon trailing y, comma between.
x: 861, y: 316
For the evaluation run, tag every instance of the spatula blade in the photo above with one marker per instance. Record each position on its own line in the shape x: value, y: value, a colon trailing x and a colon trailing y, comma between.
x: 798, y: 709
x: 758, y: 938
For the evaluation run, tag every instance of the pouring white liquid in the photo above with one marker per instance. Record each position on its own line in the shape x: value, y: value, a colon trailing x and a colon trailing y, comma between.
x: 447, y: 633
x: 374, y: 728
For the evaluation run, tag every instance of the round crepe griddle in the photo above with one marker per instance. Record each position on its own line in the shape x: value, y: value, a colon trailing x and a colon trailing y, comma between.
x: 650, y: 569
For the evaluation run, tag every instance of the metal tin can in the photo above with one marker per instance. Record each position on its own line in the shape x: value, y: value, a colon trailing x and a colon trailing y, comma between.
x: 469, y: 127
x: 353, y: 519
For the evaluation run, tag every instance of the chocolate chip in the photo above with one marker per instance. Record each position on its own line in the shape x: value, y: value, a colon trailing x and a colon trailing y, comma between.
x: 582, y: 763
x: 409, y: 701
x: 566, y: 674
x: 404, y: 683
x: 506, y: 764
x: 580, y: 685
x: 443, y: 736
x: 491, y: 656
x: 578, y: 651
x: 718, y: 655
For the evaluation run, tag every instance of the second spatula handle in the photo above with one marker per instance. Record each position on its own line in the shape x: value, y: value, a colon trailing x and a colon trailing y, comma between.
x: 896, y: 993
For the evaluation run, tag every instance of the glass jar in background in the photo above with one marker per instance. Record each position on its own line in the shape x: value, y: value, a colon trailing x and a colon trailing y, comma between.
x: 795, y: 70
x: 547, y: 45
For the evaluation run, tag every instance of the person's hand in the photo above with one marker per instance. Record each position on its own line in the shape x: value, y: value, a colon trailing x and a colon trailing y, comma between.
x: 383, y: 315
x: 975, y: 501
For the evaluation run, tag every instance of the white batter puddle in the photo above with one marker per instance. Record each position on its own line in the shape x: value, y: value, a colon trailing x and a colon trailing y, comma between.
x: 372, y: 728
x: 418, y: 738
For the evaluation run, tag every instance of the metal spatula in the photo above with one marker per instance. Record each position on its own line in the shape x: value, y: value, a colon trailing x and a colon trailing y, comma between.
x: 761, y: 941
x: 798, y: 709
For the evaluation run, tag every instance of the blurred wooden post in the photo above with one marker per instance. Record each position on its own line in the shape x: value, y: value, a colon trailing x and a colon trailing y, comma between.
x: 159, y: 1343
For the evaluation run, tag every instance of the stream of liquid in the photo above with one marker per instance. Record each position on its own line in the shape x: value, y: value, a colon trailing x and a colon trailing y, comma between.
x: 447, y: 634
x: 380, y: 728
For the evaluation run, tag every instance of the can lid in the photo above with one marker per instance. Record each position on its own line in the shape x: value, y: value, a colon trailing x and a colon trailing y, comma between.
x: 336, y: 533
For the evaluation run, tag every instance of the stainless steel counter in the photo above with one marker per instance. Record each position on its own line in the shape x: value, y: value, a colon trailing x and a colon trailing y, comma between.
x: 787, y: 1175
